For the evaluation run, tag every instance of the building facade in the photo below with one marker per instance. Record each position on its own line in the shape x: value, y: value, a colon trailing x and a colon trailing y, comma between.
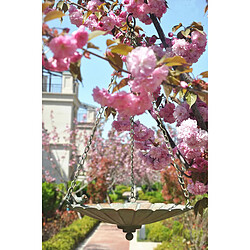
x: 65, y: 121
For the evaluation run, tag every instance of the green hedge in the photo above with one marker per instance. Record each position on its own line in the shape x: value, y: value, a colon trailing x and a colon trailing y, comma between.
x: 152, y: 196
x: 51, y: 199
x: 69, y: 237
x: 177, y: 242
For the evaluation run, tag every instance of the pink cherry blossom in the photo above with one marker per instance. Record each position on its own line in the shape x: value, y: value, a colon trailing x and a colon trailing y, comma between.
x: 75, y: 15
x: 194, y: 137
x: 167, y: 112
x: 142, y: 133
x: 92, y: 22
x: 122, y: 123
x: 106, y: 24
x: 197, y: 188
x: 56, y: 64
x: 102, y: 96
x: 93, y: 5
x: 181, y: 113
x: 63, y: 46
x: 200, y: 164
x: 180, y: 47
x: 199, y: 38
x: 81, y: 36
x: 141, y: 62
x: 189, y: 153
x: 76, y: 57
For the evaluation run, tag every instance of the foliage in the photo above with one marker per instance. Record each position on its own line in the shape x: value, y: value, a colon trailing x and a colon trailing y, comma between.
x: 157, y: 232
x: 68, y: 238
x: 171, y: 191
x: 182, y: 232
x: 177, y: 242
x: 53, y: 225
x: 151, y: 196
x: 51, y: 199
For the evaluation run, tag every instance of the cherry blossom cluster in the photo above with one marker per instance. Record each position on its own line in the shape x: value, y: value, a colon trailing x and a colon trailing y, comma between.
x: 193, y: 144
x: 154, y: 155
x: 190, y: 51
x: 140, y: 9
x: 105, y: 23
x: 65, y: 51
x: 171, y: 113
x: 192, y: 140
x: 146, y: 78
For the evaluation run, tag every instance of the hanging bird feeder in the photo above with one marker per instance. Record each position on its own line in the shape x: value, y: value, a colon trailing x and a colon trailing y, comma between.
x: 131, y: 215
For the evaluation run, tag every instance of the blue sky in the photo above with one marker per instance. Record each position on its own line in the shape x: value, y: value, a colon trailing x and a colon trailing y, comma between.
x: 96, y: 72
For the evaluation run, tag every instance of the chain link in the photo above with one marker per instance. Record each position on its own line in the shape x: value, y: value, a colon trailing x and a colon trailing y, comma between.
x: 170, y: 150
x: 87, y: 148
x: 132, y: 196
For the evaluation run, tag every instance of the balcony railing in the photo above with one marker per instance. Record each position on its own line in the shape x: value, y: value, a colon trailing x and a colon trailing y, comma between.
x: 52, y: 88
x: 51, y: 81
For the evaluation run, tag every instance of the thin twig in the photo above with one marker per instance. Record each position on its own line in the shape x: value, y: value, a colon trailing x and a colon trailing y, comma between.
x: 78, y: 5
x: 106, y: 59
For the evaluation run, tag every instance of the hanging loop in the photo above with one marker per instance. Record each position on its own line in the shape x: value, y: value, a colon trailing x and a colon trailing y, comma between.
x: 130, y: 35
x: 131, y: 26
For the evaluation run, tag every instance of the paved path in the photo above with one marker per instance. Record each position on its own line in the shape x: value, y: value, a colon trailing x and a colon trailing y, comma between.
x: 109, y: 237
x: 106, y: 237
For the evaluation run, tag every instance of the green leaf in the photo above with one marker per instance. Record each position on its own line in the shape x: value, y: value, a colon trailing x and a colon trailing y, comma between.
x: 45, y: 5
x: 174, y: 61
x: 200, y: 206
x: 176, y: 27
x: 122, y: 83
x: 181, y: 93
x: 92, y: 46
x: 197, y: 25
x: 98, y: 15
x: 173, y: 80
x: 96, y: 33
x: 86, y: 15
x: 115, y: 59
x: 167, y: 90
x: 59, y: 5
x: 65, y: 7
x: 204, y: 74
x: 186, y: 32
x: 121, y: 49
x: 109, y: 41
x: 75, y: 71
x: 53, y: 15
x: 108, y: 111
x: 206, y: 9
x: 191, y: 98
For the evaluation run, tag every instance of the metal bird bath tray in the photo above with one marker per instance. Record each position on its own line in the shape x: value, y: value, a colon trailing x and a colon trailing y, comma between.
x: 132, y: 215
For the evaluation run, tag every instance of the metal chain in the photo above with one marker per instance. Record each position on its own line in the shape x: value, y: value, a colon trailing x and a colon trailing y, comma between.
x: 130, y: 35
x: 132, y: 196
x: 170, y: 150
x: 87, y: 148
